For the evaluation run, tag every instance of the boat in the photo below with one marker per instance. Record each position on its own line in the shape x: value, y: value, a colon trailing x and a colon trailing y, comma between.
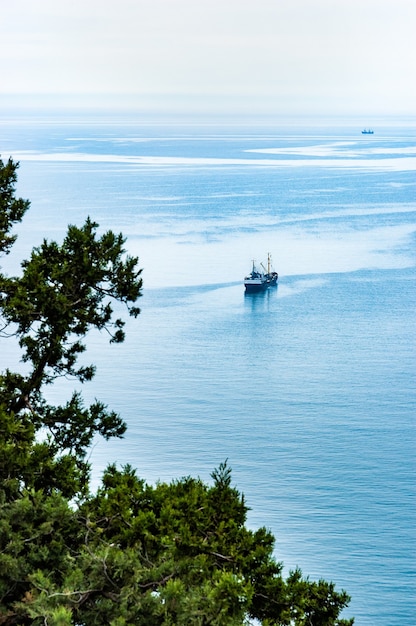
x: 259, y: 280
x: 367, y: 131
x: 271, y: 275
x: 256, y: 280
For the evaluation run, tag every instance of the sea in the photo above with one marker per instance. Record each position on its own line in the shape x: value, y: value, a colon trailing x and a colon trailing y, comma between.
x: 307, y: 389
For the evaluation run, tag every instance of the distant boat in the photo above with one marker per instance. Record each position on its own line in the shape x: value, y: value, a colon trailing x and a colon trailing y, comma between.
x: 259, y: 280
x: 367, y: 131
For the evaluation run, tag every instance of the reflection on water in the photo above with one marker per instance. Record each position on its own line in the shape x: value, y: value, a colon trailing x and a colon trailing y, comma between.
x: 257, y: 301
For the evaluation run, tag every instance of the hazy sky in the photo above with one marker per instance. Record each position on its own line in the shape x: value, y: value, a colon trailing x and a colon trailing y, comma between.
x: 299, y: 56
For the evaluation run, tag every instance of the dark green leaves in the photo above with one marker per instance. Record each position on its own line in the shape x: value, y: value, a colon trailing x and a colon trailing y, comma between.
x: 65, y: 291
x: 11, y: 209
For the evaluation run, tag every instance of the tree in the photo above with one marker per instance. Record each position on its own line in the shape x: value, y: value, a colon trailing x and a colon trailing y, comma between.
x: 12, y: 209
x: 64, y: 291
x: 131, y: 553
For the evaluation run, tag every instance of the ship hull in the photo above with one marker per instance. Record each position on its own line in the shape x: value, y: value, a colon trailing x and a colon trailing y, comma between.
x: 255, y: 287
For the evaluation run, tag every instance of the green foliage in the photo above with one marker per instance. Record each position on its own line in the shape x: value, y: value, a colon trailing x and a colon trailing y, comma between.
x: 11, y: 209
x: 65, y: 291
x: 164, y: 555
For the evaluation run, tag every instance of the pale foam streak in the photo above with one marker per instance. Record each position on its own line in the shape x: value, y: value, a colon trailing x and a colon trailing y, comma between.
x: 300, y: 286
x: 203, y: 229
x: 339, y: 148
x: 396, y: 164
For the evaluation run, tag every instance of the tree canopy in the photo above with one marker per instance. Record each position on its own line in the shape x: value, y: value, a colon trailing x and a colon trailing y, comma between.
x: 129, y: 553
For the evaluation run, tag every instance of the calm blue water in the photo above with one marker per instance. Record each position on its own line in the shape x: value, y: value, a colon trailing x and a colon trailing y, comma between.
x: 307, y: 389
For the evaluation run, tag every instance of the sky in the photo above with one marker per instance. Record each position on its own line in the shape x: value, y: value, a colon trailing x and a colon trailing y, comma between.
x: 278, y: 56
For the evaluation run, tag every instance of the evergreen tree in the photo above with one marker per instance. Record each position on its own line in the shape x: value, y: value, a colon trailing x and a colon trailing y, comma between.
x: 130, y: 554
